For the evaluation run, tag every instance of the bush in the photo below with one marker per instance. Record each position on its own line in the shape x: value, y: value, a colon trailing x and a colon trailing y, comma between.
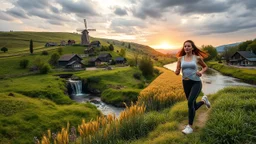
x: 45, y: 69
x: 54, y: 59
x: 4, y: 49
x: 24, y: 63
x: 146, y: 66
x: 137, y: 75
x: 44, y: 52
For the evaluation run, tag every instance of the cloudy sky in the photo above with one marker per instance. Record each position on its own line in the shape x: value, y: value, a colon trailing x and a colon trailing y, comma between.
x: 157, y: 23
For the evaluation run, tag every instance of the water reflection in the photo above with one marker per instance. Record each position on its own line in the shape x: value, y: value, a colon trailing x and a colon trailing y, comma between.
x: 214, y: 81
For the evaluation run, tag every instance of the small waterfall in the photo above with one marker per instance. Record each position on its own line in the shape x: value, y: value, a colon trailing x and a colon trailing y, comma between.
x: 76, y: 86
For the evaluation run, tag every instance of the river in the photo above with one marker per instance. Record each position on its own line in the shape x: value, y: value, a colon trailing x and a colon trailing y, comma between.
x: 213, y: 80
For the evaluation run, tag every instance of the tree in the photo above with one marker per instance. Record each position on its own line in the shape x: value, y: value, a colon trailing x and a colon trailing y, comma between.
x: 31, y: 46
x: 122, y: 52
x: 111, y: 47
x: 129, y: 46
x: 228, y: 52
x: 60, y: 50
x: 252, y: 47
x: 4, y: 49
x: 54, y: 59
x: 211, y: 51
x: 24, y: 63
x: 45, y: 68
x: 244, y: 45
x: 136, y: 56
x: 146, y: 66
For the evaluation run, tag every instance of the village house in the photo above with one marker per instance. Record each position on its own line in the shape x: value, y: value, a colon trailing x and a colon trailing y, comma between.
x: 70, y: 61
x: 50, y: 44
x: 71, y: 42
x: 95, y: 44
x: 94, y: 61
x: 120, y: 60
x: 105, y: 57
x: 63, y: 43
x: 243, y: 58
x: 89, y: 51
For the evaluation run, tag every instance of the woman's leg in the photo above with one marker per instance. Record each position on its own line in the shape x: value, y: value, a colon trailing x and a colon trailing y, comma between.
x: 187, y: 85
x: 192, y: 105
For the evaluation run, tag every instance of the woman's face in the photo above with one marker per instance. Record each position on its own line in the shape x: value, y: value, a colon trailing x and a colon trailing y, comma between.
x: 188, y: 47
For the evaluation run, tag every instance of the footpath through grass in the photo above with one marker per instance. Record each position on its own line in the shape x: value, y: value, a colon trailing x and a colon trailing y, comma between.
x: 230, y: 120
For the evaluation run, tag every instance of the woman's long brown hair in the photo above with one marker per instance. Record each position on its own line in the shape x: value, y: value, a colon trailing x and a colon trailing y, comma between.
x: 196, y: 51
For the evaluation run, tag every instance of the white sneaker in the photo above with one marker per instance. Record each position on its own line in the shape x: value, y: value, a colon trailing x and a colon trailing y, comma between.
x: 206, y: 101
x: 187, y: 130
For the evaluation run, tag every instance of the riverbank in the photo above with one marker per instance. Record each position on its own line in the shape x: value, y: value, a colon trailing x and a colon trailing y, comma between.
x: 246, y: 75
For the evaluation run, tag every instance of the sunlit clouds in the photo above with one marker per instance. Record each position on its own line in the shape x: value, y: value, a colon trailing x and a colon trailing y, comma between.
x: 161, y: 24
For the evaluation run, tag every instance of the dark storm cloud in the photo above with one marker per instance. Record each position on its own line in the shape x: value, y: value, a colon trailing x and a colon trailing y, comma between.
x: 6, y: 17
x: 120, y: 12
x: 81, y: 8
x: 28, y: 4
x: 55, y: 22
x: 54, y: 10
x: 126, y: 26
x: 17, y: 12
x: 156, y: 8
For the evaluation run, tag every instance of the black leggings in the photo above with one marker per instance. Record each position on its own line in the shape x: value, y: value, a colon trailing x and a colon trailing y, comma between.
x: 192, y: 89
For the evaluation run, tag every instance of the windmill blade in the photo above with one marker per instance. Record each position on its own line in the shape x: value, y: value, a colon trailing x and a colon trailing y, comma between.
x: 85, y: 24
x: 91, y: 29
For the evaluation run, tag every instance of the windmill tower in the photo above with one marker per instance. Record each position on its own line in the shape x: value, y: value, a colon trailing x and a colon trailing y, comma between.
x: 85, y: 34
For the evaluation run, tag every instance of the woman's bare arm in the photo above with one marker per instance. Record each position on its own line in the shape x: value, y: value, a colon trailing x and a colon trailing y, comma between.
x: 177, y: 72
x: 203, y: 65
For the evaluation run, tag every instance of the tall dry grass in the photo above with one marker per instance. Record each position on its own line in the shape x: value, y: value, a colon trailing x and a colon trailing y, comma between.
x: 163, y: 91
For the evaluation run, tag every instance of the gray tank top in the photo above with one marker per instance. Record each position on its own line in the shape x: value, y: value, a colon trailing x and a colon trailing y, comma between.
x: 189, y: 69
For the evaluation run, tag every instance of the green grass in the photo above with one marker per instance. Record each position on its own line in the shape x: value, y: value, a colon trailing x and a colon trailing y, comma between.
x: 23, y: 118
x: 247, y: 75
x: 39, y: 86
x: 231, y: 120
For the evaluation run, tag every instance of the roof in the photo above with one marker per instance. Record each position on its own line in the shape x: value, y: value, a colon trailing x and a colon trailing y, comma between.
x: 104, y: 55
x: 73, y: 62
x: 67, y: 57
x: 94, y: 59
x: 247, y: 54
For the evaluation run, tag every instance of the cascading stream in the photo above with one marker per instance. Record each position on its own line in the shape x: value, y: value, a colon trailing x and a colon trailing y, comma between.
x: 76, y: 87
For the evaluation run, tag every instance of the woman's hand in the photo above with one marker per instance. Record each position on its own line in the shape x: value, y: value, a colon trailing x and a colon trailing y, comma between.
x: 177, y: 72
x: 199, y: 74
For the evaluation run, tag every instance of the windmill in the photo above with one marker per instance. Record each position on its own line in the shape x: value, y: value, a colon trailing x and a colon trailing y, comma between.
x: 85, y: 34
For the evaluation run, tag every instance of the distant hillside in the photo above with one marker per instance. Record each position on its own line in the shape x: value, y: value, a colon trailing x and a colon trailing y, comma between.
x: 221, y: 48
x: 19, y: 41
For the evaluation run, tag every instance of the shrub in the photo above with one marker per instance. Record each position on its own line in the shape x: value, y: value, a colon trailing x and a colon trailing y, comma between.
x: 24, y: 63
x: 54, y: 59
x: 4, y: 49
x: 137, y: 75
x: 146, y: 66
x: 44, y: 52
x: 45, y: 69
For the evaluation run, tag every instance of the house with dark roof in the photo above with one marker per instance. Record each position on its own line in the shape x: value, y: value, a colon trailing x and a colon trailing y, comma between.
x: 243, y: 58
x: 50, y: 44
x: 94, y: 61
x: 105, y: 57
x: 95, y: 44
x: 71, y: 42
x: 89, y: 51
x: 120, y: 60
x: 70, y: 61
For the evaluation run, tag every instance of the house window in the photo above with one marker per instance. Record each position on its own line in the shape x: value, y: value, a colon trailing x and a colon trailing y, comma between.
x: 77, y: 66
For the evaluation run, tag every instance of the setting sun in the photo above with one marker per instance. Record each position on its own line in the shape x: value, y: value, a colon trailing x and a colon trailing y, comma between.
x: 163, y: 45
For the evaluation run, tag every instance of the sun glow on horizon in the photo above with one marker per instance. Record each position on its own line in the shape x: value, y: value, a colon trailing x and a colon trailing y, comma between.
x: 163, y: 45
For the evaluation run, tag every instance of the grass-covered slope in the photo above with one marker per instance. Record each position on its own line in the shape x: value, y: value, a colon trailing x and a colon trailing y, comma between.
x: 22, y: 118
x: 231, y: 119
